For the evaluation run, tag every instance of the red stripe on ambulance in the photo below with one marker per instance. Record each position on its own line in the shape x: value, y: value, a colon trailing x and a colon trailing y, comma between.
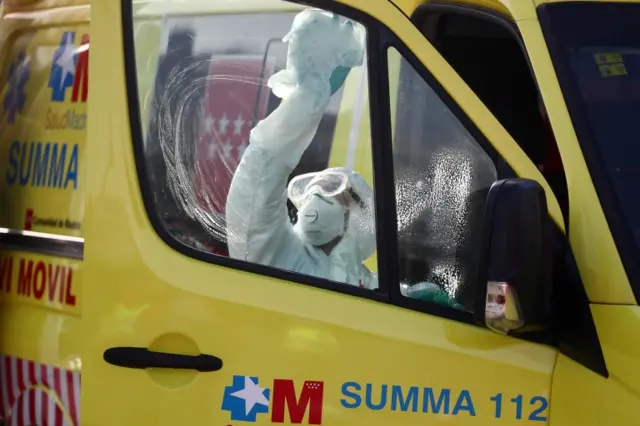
x: 23, y: 403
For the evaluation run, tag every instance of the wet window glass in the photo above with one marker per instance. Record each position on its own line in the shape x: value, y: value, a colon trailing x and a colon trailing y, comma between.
x: 256, y: 135
x: 442, y: 176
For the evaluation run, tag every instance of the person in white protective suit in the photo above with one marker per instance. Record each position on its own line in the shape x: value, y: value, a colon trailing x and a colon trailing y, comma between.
x: 335, y: 229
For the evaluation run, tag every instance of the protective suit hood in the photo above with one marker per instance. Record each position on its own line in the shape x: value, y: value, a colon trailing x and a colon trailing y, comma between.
x: 358, y: 242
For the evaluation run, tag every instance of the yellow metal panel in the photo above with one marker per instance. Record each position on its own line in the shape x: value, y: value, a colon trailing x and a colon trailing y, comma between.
x: 617, y: 328
x: 42, y: 189
x: 581, y: 397
x: 43, y: 146
x: 41, y: 281
x: 40, y: 297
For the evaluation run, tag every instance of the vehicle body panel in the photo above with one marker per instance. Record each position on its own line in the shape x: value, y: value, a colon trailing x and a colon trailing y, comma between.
x: 42, y: 148
x: 286, y: 323
x: 583, y: 397
x: 144, y: 293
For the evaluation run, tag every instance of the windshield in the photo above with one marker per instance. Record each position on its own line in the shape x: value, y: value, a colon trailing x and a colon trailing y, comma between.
x: 596, y: 51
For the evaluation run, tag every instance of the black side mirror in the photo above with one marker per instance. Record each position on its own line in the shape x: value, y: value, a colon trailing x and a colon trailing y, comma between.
x: 515, y: 267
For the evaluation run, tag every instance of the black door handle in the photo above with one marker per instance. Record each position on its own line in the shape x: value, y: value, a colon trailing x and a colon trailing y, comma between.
x: 142, y: 358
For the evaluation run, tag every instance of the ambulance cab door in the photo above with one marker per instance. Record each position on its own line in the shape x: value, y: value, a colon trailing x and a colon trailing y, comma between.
x: 179, y: 332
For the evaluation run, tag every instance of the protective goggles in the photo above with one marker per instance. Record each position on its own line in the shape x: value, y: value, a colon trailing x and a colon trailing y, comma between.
x: 326, y: 183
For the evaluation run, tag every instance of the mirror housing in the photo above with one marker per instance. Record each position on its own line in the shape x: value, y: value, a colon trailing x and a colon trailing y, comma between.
x: 514, y: 296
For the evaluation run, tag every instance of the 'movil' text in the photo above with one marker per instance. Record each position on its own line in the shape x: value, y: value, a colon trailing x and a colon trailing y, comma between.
x: 37, y: 280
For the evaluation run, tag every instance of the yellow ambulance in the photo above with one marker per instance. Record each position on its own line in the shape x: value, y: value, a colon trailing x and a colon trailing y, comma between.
x: 498, y: 137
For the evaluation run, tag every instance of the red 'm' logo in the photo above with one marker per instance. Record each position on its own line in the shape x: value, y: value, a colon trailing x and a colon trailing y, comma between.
x: 284, y: 394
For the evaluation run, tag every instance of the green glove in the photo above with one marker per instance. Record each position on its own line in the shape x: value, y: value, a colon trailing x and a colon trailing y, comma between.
x: 338, y: 77
x: 429, y: 292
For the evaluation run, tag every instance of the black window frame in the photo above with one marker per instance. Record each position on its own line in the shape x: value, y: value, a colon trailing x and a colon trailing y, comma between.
x: 379, y: 39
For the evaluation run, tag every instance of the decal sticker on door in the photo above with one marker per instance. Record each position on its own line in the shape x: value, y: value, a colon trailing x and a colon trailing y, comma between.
x: 245, y: 399
x: 296, y: 402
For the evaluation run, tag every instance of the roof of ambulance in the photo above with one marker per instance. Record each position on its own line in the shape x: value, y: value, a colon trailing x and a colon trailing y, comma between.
x: 517, y: 9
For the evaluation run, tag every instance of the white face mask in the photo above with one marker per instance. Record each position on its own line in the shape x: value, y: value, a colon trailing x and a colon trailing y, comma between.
x: 321, y: 220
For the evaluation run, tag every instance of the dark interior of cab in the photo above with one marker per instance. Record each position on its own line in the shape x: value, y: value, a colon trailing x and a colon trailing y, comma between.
x: 486, y: 51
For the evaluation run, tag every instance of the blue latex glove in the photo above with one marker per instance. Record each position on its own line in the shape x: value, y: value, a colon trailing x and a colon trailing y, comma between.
x: 338, y: 77
x: 429, y: 292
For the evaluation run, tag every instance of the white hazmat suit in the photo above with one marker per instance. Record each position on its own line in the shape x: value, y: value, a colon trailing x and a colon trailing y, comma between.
x: 258, y: 226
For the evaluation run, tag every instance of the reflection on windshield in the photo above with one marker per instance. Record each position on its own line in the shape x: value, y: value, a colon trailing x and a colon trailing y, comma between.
x: 596, y: 50
x: 608, y: 78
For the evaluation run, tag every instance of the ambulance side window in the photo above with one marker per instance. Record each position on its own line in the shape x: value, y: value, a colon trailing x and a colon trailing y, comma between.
x: 208, y: 93
x: 442, y: 176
